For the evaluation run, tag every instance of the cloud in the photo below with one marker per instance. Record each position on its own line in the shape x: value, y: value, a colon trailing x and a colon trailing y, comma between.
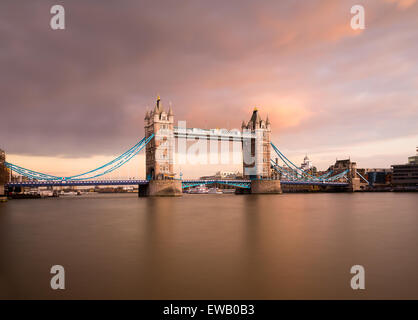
x: 403, y: 4
x: 83, y: 92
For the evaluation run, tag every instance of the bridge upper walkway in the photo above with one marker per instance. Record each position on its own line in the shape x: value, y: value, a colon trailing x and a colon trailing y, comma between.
x: 212, y: 134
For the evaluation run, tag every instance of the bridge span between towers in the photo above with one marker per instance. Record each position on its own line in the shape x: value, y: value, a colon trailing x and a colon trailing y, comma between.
x: 211, y: 134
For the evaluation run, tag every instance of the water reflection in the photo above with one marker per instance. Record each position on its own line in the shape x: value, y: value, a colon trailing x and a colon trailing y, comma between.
x: 211, y: 246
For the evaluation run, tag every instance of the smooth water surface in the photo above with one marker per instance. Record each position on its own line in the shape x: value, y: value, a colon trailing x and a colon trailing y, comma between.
x: 211, y: 246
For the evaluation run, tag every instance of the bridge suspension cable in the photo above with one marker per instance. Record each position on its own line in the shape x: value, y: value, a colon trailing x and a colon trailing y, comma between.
x: 290, y: 164
x: 326, y: 175
x: 109, y: 167
x: 30, y: 173
x: 290, y: 174
x: 338, y: 176
x: 128, y: 152
x: 120, y: 161
x: 295, y: 173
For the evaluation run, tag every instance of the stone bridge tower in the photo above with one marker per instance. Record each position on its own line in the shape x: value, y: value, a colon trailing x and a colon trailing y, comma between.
x: 347, y: 164
x: 256, y: 147
x: 256, y: 155
x: 159, y: 153
x: 160, y: 150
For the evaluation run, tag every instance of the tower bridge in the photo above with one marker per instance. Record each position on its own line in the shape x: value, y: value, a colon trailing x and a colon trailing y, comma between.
x: 254, y: 137
x: 261, y: 174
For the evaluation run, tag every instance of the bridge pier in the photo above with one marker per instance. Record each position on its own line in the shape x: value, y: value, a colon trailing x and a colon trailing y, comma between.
x: 161, y: 188
x: 354, y: 184
x: 266, y: 187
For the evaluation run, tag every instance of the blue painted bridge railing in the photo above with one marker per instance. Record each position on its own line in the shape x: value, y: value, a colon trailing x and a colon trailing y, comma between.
x: 75, y: 183
x: 246, y: 184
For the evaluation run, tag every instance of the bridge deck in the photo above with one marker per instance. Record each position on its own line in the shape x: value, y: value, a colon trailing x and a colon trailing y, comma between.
x: 238, y: 183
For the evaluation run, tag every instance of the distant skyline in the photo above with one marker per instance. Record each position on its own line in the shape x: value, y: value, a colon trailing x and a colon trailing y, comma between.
x: 74, y: 98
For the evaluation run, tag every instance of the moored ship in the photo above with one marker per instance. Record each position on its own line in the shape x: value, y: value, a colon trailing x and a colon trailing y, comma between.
x: 202, y: 189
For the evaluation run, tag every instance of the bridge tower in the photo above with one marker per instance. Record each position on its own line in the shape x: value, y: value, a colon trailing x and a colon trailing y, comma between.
x: 256, y: 147
x: 353, y: 178
x: 347, y: 164
x: 160, y: 150
x: 159, y: 153
x: 256, y: 154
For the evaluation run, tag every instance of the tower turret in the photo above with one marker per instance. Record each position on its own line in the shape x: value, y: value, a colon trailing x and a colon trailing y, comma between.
x: 158, y: 106
x: 255, y: 120
x: 170, y: 111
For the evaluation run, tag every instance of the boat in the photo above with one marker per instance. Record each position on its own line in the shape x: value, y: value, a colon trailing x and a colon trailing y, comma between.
x: 228, y: 190
x: 199, y: 190
x: 69, y: 193
x: 215, y: 191
x: 46, y: 193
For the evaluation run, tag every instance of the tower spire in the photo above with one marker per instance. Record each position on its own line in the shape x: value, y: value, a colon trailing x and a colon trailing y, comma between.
x: 170, y: 110
x: 158, y: 106
x: 255, y: 118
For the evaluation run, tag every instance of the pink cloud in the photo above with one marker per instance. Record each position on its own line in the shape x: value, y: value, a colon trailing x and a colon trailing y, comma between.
x: 403, y: 4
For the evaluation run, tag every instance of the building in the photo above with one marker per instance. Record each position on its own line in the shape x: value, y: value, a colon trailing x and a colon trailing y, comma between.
x: 2, y: 157
x: 228, y: 174
x: 405, y: 176
x: 4, y: 173
x: 160, y: 150
x: 223, y: 175
x: 306, y: 165
x: 377, y: 176
x: 256, y: 147
x: 413, y: 159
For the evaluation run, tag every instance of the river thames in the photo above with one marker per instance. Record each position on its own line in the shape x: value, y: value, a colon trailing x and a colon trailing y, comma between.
x: 289, y: 246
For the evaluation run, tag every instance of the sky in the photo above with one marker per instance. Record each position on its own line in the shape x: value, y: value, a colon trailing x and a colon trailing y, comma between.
x: 75, y: 98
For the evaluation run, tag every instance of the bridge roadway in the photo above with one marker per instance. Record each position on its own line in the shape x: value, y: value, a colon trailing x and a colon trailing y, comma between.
x: 186, y: 183
x: 75, y: 183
